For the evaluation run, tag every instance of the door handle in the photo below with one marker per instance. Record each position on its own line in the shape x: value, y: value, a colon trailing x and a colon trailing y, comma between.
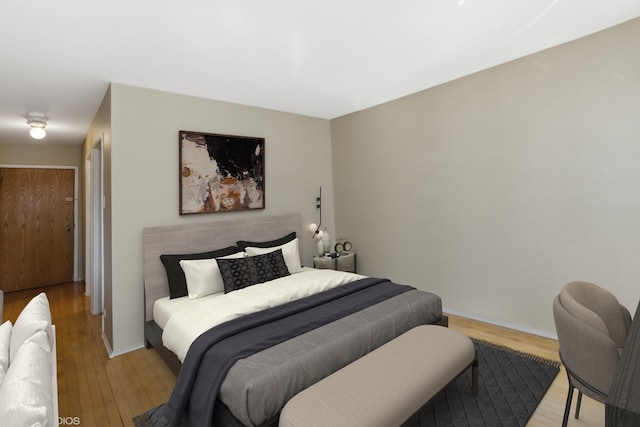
x: 68, y: 227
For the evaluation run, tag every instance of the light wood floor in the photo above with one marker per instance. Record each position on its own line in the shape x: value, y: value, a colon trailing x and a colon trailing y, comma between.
x: 104, y: 392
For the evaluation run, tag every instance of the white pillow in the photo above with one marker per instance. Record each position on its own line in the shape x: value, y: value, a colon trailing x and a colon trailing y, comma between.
x: 289, y: 252
x: 26, y: 393
x: 35, y: 316
x: 203, y: 275
x: 5, y: 339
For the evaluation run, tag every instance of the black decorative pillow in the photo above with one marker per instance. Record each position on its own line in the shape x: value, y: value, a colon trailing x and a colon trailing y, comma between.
x: 242, y: 244
x: 238, y: 273
x: 175, y: 275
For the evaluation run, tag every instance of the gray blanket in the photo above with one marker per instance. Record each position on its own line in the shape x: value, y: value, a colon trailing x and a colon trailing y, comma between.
x: 257, y: 388
x: 214, y: 352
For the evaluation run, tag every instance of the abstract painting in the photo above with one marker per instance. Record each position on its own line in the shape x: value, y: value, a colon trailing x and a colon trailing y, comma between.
x: 220, y: 173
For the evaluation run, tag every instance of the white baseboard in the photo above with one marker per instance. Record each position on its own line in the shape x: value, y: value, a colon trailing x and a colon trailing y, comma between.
x: 503, y: 324
x: 122, y: 351
x: 105, y: 341
x: 126, y: 350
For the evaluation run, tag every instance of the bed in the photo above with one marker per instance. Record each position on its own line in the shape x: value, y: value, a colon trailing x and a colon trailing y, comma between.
x: 256, y: 385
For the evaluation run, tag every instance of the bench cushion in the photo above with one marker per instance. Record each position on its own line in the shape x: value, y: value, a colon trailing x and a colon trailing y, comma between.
x: 387, y: 386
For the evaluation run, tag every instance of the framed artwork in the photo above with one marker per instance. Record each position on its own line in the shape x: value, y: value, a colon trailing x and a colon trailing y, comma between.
x: 220, y: 173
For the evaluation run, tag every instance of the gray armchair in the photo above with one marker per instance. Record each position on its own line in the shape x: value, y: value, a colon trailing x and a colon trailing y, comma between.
x: 592, y: 328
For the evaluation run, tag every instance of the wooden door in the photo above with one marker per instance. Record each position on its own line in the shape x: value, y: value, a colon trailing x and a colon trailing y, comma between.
x: 36, y: 227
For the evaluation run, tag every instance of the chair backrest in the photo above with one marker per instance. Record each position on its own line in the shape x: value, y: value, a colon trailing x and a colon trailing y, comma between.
x: 597, y: 307
x: 591, y: 327
x: 589, y: 355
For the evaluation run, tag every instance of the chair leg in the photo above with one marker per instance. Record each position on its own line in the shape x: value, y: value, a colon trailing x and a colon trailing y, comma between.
x: 567, y: 406
x: 474, y: 375
x: 578, y: 404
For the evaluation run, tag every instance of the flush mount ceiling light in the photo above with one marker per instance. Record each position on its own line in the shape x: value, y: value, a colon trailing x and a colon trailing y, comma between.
x: 38, y: 122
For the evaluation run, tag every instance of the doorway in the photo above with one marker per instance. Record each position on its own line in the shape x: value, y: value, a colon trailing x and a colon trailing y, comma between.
x: 94, y: 235
x: 37, y: 238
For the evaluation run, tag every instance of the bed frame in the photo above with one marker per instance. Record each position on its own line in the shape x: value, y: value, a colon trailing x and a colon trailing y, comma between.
x: 199, y: 237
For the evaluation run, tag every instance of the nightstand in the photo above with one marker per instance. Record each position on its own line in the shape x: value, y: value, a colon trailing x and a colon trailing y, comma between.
x: 345, y: 262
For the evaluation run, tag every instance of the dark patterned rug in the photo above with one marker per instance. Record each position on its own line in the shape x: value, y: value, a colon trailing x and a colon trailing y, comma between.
x: 511, y: 385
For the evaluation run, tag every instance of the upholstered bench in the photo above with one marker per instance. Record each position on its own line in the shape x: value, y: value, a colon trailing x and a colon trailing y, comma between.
x: 387, y: 386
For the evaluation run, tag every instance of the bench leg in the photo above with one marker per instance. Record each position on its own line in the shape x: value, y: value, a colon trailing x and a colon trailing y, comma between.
x: 474, y: 375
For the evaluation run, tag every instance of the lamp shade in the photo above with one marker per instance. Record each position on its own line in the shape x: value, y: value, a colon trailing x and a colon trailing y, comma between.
x: 37, y: 133
x: 38, y: 122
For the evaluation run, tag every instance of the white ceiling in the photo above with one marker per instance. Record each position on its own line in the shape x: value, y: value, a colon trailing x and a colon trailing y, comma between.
x: 323, y: 58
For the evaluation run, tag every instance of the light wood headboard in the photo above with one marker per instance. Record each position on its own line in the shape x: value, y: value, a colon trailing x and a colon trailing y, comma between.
x: 201, y: 237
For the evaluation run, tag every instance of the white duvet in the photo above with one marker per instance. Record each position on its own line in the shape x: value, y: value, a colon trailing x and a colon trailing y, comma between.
x: 195, y: 317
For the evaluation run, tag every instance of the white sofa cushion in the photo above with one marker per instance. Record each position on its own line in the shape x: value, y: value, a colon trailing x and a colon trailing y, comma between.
x: 26, y: 393
x: 35, y: 316
x: 5, y: 339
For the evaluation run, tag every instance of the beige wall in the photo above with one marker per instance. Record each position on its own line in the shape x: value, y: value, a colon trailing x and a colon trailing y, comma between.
x: 40, y: 155
x: 145, y: 170
x: 495, y: 189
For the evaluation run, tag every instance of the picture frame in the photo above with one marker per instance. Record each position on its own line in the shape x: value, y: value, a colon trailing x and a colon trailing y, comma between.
x: 220, y: 173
